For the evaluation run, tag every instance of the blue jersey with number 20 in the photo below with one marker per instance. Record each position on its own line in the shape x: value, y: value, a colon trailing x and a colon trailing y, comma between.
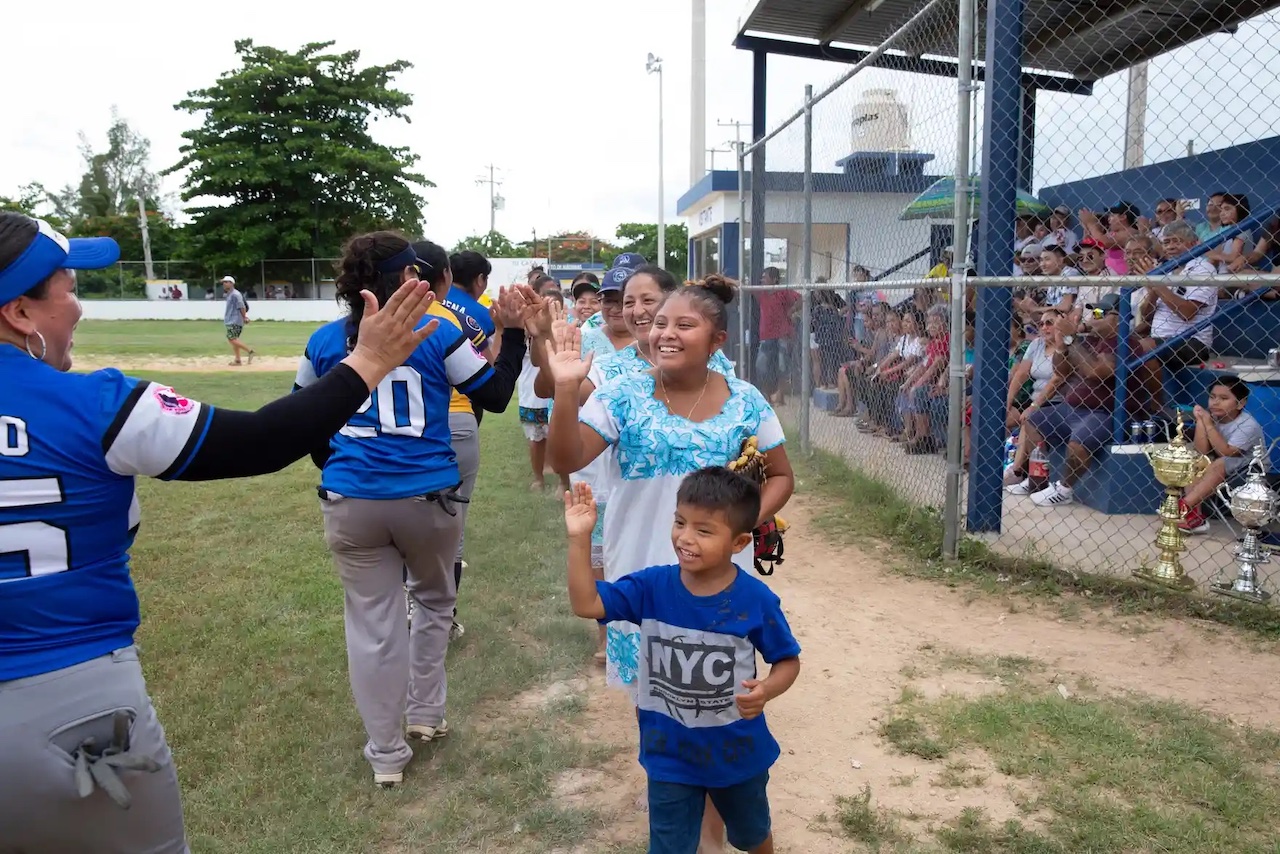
x: 70, y: 447
x: 398, y: 444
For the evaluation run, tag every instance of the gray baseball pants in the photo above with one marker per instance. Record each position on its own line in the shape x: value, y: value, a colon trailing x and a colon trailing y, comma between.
x: 397, y: 676
x: 465, y: 438
x: 62, y: 757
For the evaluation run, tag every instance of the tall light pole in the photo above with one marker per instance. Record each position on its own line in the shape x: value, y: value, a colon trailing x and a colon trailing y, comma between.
x: 653, y: 65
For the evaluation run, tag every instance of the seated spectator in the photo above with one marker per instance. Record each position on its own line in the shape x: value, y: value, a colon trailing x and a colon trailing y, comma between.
x: 884, y: 328
x: 1167, y: 210
x: 1082, y: 421
x: 827, y: 338
x: 1141, y: 256
x: 1037, y: 368
x: 1024, y: 233
x: 1029, y: 260
x: 1265, y: 256
x: 1092, y: 261
x: 921, y: 384
x: 1212, y: 224
x: 1227, y: 435
x: 885, y: 381
x: 1121, y: 224
x: 1059, y: 233
x: 1234, y: 251
x: 1173, y: 310
x: 1054, y: 264
x: 942, y: 269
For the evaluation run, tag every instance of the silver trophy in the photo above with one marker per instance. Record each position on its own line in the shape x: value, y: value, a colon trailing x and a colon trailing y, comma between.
x: 1253, y: 504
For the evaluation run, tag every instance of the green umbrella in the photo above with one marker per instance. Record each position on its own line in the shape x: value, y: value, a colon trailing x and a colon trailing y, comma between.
x: 939, y: 202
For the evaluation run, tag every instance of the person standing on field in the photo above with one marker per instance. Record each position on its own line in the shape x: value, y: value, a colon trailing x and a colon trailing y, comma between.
x: 235, y: 316
x: 390, y: 492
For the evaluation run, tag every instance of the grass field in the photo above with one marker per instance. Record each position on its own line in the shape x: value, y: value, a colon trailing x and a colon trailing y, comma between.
x: 243, y: 648
x: 185, y: 338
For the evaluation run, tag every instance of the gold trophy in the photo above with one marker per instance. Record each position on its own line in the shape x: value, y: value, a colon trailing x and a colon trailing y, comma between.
x: 1177, y: 465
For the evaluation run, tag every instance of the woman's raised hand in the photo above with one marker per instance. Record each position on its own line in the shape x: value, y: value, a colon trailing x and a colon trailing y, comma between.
x: 566, y: 364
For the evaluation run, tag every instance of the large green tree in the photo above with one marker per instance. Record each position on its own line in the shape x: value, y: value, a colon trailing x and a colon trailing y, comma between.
x: 491, y: 245
x: 642, y: 237
x: 285, y: 152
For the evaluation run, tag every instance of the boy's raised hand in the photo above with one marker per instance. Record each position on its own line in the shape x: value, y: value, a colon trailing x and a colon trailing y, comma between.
x: 579, y: 510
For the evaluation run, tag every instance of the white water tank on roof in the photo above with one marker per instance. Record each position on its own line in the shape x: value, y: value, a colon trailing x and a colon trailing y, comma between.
x: 880, y: 122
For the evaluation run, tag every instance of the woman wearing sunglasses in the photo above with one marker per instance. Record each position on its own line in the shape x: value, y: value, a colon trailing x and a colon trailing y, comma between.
x: 1036, y: 365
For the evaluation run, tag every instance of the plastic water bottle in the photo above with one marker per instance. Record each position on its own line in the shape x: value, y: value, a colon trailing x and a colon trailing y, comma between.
x: 1038, y: 469
x: 1010, y: 448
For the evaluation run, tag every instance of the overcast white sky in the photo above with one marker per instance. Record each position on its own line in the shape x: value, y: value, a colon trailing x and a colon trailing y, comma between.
x: 555, y: 93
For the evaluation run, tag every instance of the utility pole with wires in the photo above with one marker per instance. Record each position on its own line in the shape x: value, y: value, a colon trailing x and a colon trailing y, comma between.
x: 713, y: 151
x: 737, y: 128
x: 495, y: 201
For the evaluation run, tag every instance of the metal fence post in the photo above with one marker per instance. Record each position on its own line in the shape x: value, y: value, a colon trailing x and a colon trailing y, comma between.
x: 806, y: 266
x: 744, y: 275
x: 959, y: 283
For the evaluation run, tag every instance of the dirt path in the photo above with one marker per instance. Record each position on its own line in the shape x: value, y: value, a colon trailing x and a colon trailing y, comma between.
x: 182, y: 364
x: 862, y: 628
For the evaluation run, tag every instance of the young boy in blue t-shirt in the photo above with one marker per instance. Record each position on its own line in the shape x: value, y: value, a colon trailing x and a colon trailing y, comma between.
x: 701, y: 623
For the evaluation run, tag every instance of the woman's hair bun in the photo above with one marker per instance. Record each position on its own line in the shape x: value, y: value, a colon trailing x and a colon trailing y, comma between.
x: 722, y: 287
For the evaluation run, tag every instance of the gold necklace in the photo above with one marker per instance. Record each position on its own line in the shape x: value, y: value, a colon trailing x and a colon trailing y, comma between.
x: 706, y: 382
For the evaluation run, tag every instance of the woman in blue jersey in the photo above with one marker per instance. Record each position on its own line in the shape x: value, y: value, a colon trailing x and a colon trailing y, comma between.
x: 470, y: 271
x: 390, y: 494
x: 84, y: 765
x: 662, y: 423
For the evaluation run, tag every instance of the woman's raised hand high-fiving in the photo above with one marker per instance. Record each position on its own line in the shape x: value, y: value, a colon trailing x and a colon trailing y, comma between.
x: 388, y: 335
x: 566, y: 364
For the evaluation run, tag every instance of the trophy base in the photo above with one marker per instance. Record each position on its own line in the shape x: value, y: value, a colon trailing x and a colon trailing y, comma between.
x: 1224, y: 588
x: 1178, y: 580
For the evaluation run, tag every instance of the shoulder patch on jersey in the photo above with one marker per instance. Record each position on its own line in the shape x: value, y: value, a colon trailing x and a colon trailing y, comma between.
x: 472, y: 324
x: 172, y: 402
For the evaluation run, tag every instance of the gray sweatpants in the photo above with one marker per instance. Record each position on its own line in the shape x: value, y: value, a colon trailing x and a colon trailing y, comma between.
x: 465, y: 438
x: 397, y: 676
x: 44, y: 723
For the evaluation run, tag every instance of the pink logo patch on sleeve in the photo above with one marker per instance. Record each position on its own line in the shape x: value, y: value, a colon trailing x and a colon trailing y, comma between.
x: 172, y: 402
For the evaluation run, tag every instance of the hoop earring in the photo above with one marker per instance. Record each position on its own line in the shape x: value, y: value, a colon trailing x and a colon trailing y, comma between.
x: 44, y: 347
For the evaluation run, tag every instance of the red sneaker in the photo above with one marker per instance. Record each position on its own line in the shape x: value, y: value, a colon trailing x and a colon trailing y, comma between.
x: 1193, y: 519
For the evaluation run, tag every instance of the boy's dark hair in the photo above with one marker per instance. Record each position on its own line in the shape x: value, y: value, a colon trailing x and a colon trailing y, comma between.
x: 1232, y: 383
x: 717, y: 488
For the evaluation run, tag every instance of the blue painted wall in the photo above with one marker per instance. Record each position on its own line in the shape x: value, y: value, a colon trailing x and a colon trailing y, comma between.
x: 1252, y: 169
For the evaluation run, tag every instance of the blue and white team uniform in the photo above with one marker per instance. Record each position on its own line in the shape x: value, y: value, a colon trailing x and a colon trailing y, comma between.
x: 694, y: 654
x: 473, y: 316
x: 390, y: 499
x: 70, y: 448
x: 397, y: 445
x: 654, y: 450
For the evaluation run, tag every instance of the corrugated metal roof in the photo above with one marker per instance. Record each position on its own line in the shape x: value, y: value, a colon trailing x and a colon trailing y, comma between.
x: 1086, y: 40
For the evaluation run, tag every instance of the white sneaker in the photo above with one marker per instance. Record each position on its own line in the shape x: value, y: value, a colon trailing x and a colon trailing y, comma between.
x: 1010, y: 477
x: 422, y: 732
x: 387, y: 781
x: 1023, y: 488
x: 1054, y: 495
x: 457, y: 630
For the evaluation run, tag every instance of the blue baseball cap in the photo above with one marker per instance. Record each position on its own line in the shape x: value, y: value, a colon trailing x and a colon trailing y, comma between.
x: 49, y: 252
x: 615, y: 279
x: 630, y: 260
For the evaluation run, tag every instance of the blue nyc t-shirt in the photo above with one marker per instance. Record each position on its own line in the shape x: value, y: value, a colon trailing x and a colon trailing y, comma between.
x: 695, y: 652
x: 70, y: 448
x: 398, y: 444
x: 472, y: 315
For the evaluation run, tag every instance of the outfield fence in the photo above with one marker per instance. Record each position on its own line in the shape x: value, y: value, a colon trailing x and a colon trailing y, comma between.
x: 977, y: 291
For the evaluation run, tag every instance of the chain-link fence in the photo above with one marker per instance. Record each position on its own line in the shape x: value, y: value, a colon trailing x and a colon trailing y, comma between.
x: 1002, y: 297
x: 272, y: 278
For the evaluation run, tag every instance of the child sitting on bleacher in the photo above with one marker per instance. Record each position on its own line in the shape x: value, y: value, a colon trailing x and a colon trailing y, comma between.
x: 1227, y: 435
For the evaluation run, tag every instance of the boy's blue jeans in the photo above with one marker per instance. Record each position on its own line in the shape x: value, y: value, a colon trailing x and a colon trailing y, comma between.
x: 675, y: 814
